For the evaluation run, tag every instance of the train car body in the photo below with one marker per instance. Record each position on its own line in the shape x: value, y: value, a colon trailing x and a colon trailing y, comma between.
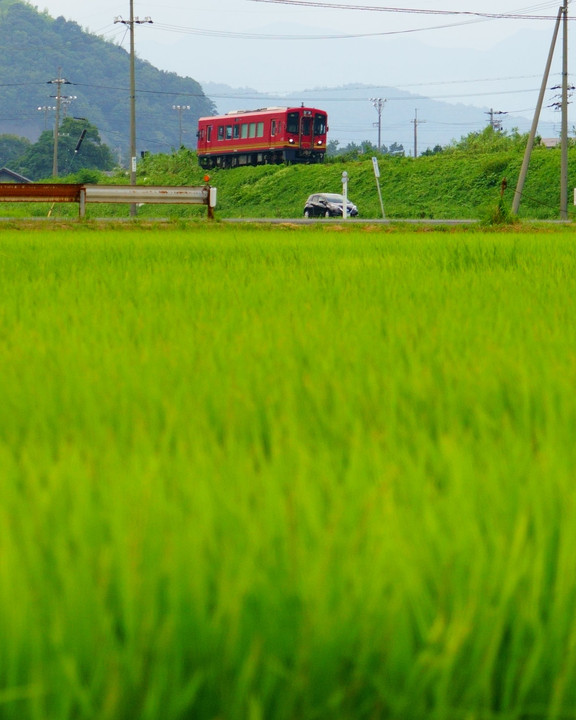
x: 258, y: 137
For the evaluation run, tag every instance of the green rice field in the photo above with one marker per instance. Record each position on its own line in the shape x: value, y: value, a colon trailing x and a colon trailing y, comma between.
x: 287, y: 474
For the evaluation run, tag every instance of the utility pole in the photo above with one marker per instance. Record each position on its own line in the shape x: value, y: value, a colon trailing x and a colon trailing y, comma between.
x: 180, y: 109
x: 379, y: 105
x: 59, y: 81
x: 534, y: 128
x: 66, y: 102
x: 46, y: 109
x: 416, y: 122
x: 564, y: 131
x: 495, y: 123
x: 130, y: 24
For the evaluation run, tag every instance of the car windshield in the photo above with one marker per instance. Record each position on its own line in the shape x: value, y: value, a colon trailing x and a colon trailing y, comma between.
x: 333, y: 198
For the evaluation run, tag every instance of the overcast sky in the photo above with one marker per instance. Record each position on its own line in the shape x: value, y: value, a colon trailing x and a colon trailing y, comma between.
x: 473, y: 59
x: 241, y: 15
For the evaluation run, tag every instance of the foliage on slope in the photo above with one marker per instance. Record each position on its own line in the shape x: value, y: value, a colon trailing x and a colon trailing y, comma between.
x: 99, y: 73
x: 457, y: 183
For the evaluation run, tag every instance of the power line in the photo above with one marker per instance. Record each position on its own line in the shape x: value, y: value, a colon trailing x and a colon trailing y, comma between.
x: 267, y: 36
x: 294, y: 97
x: 341, y: 36
x: 21, y: 84
x: 409, y: 11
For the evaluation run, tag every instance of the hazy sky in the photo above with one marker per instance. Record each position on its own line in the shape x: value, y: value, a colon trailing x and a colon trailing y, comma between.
x: 241, y: 15
x: 261, y: 45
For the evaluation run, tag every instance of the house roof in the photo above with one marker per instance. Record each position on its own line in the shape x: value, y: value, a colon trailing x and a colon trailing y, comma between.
x: 12, y: 176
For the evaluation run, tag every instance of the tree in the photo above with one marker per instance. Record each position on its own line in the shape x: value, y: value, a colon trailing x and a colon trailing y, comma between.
x: 332, y: 147
x: 353, y: 151
x: 489, y: 140
x: 434, y: 151
x: 11, y: 148
x: 396, y: 149
x: 76, y: 150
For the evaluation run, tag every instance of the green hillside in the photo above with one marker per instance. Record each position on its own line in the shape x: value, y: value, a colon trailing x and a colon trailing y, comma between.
x: 98, y: 71
x: 457, y: 183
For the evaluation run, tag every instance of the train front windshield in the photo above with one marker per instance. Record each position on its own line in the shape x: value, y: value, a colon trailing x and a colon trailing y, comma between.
x: 292, y: 124
x: 319, y: 124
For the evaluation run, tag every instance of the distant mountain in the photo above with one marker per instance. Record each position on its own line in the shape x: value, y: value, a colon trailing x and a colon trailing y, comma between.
x: 353, y: 117
x: 37, y: 47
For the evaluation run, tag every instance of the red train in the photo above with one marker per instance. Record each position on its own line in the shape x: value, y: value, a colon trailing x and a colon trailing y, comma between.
x: 257, y: 137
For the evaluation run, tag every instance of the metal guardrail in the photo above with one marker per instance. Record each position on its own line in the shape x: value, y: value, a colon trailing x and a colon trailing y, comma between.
x: 40, y: 192
x: 127, y: 194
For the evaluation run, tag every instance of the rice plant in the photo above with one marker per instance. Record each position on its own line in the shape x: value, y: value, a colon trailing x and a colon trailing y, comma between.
x: 291, y: 474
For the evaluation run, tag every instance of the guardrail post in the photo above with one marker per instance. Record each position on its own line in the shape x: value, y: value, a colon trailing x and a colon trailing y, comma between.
x: 82, y: 202
x: 211, y: 202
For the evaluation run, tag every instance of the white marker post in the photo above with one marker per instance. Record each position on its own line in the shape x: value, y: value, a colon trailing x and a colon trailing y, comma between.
x: 377, y: 176
x: 345, y: 194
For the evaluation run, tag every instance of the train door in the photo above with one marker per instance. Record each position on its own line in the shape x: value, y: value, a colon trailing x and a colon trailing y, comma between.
x: 306, y: 139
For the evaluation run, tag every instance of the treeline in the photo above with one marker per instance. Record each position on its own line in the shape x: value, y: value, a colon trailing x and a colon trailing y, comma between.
x: 97, y: 72
x: 79, y: 148
x: 354, y: 151
x: 486, y: 140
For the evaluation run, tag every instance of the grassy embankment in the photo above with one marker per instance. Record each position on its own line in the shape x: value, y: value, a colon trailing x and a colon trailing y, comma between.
x: 290, y: 475
x: 454, y: 184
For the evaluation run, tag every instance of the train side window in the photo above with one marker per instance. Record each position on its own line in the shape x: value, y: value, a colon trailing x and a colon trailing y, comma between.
x: 209, y: 133
x: 244, y: 130
x: 221, y: 132
x: 260, y: 129
x: 292, y: 123
x: 228, y: 132
x: 252, y: 130
x: 236, y: 132
x: 273, y: 128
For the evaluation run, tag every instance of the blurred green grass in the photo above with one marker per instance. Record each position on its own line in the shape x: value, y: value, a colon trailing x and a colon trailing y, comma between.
x: 287, y: 474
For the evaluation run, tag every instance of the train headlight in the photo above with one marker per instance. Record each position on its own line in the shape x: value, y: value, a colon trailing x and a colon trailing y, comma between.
x: 319, y: 142
x: 291, y: 140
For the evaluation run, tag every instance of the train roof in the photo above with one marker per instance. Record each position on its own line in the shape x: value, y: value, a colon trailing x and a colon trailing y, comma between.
x: 236, y: 113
